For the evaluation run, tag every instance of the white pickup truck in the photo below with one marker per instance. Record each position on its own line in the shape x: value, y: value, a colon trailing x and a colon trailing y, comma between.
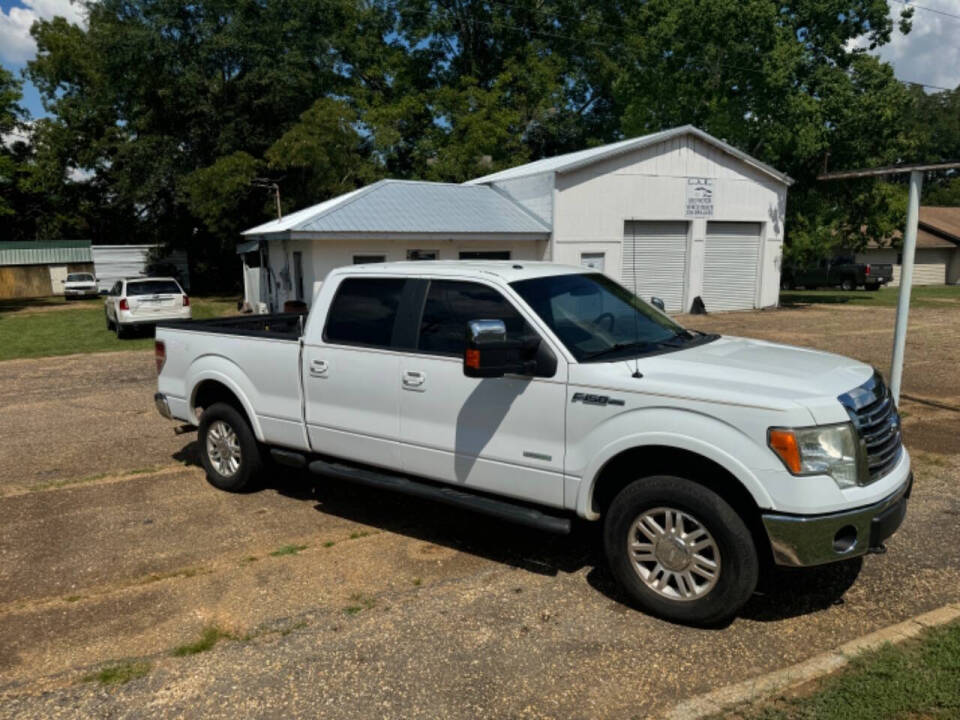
x: 538, y: 393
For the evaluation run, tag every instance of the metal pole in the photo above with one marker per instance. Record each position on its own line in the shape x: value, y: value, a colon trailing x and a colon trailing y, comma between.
x: 906, y: 282
x: 276, y: 188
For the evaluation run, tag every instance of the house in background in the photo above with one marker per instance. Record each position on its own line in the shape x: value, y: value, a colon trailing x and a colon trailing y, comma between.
x: 676, y: 214
x: 39, y: 269
x: 937, y: 261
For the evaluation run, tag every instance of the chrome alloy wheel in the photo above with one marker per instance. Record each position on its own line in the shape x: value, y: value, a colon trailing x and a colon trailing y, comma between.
x: 223, y: 448
x: 674, y: 554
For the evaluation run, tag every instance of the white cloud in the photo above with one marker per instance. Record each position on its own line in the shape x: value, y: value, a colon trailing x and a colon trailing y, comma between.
x: 930, y: 53
x: 16, y: 44
x: 18, y: 135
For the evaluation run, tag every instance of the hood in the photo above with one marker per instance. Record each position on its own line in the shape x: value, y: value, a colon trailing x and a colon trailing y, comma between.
x: 738, y: 371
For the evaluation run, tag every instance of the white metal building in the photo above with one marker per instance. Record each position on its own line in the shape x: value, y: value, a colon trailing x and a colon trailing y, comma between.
x: 677, y: 214
x: 115, y: 262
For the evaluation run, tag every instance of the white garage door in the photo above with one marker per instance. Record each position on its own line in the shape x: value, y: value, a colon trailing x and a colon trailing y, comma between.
x: 655, y: 260
x: 731, y: 265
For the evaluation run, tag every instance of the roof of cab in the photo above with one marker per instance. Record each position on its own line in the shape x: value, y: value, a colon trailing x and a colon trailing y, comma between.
x: 506, y: 270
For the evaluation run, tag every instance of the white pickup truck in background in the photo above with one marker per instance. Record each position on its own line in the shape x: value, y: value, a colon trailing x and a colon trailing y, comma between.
x: 538, y: 393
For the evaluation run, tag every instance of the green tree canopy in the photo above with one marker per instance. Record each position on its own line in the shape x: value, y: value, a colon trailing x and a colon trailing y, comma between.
x: 171, y: 115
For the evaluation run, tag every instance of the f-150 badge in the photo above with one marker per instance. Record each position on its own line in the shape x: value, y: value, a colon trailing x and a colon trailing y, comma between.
x: 588, y: 399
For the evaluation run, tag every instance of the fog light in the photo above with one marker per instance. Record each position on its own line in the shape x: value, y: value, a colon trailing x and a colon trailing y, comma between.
x: 845, y: 540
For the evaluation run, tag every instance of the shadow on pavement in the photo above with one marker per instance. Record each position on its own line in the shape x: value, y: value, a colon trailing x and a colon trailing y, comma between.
x: 789, y: 592
x: 784, y: 592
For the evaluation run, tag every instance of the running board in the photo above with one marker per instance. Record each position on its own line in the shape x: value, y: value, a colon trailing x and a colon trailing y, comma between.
x: 288, y: 458
x: 520, y: 514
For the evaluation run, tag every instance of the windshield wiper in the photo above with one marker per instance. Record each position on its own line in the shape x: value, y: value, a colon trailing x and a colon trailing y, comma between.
x: 618, y: 347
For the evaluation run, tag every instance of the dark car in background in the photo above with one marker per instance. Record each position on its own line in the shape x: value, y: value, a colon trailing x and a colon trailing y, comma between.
x: 842, y: 272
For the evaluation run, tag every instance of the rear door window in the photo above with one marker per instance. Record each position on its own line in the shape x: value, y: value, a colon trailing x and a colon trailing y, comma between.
x: 451, y: 304
x: 153, y: 287
x: 364, y: 312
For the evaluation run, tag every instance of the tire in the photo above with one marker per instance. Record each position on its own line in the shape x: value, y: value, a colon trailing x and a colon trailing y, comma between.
x: 121, y: 330
x: 695, y: 508
x: 873, y: 287
x: 847, y: 285
x: 786, y: 285
x: 218, y: 448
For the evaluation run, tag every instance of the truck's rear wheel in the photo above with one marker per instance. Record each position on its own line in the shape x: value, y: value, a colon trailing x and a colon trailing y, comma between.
x: 228, y: 448
x: 680, y: 551
x: 848, y: 285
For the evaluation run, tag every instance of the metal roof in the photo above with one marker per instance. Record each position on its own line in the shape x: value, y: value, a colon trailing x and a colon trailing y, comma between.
x: 45, y: 252
x: 575, y: 160
x: 406, y: 206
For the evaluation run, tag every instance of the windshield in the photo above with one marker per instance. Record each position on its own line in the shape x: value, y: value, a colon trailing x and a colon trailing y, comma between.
x: 153, y: 287
x: 79, y: 277
x: 599, y: 320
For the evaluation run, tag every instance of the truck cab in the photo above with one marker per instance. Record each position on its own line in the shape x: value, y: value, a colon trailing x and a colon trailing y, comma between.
x: 541, y: 393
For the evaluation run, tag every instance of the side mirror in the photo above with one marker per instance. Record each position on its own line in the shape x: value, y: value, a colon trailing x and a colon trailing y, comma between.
x: 658, y: 304
x: 489, y: 354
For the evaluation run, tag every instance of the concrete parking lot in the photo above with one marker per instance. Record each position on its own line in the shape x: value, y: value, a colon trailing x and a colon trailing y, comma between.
x: 334, y: 601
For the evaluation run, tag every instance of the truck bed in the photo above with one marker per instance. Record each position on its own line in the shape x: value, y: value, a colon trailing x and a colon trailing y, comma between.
x: 279, y: 326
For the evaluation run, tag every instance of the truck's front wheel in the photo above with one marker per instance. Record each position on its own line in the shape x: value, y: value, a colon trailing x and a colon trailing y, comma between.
x: 228, y: 448
x: 680, y: 551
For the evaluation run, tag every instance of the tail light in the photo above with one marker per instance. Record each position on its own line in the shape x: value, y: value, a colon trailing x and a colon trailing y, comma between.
x: 124, y: 305
x: 186, y: 301
x: 160, y: 354
x: 867, y: 270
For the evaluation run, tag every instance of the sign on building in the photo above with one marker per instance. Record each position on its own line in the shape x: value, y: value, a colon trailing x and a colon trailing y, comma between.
x: 700, y: 198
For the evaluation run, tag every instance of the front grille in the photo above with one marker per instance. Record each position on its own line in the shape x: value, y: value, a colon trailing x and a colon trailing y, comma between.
x: 874, y: 415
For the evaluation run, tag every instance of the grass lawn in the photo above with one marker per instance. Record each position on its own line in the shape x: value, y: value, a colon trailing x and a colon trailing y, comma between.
x: 921, y: 296
x: 917, y: 679
x: 52, y: 326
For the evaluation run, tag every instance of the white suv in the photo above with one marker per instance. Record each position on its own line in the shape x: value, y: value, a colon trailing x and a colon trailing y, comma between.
x: 145, y: 301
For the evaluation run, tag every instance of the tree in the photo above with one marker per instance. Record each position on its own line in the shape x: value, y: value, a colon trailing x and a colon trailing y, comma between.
x: 154, y: 91
x: 778, y: 81
x: 11, y: 116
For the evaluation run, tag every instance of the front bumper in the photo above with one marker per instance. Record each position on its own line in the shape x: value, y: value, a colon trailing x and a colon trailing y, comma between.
x: 804, y: 540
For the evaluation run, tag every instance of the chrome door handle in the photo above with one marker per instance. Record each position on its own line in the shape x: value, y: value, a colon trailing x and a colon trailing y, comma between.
x: 413, y: 378
x: 318, y: 368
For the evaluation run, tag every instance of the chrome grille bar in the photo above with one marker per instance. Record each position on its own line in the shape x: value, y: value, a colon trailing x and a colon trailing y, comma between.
x: 877, y: 423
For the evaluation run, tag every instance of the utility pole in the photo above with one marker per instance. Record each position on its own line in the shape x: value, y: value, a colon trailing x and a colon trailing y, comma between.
x: 268, y: 184
x: 909, y: 251
x: 906, y: 284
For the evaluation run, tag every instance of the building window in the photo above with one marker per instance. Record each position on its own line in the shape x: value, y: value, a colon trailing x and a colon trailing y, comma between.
x: 422, y: 254
x: 485, y: 255
x: 593, y: 260
x: 367, y: 259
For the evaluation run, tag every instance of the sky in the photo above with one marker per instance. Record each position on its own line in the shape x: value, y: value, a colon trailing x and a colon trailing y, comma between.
x: 929, y: 54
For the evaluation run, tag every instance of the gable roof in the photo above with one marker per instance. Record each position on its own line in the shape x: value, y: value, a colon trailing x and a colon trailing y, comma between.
x: 938, y: 227
x: 581, y: 158
x: 400, y: 206
x: 944, y: 221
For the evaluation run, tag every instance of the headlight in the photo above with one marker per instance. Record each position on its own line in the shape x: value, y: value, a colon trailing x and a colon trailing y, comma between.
x: 821, y: 450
